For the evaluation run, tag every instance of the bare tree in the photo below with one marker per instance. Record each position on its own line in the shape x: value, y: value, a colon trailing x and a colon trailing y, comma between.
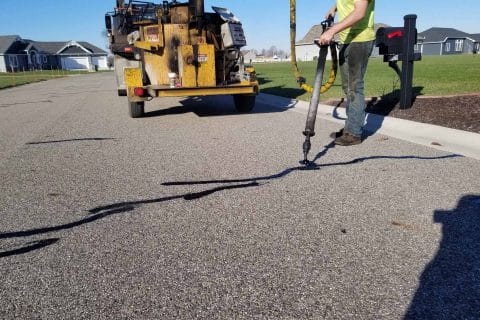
x: 272, y: 51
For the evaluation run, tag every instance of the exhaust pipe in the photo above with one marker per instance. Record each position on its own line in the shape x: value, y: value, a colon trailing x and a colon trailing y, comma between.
x: 197, y: 8
x: 197, y: 12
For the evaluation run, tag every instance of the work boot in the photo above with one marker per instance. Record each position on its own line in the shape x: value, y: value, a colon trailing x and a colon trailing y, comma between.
x: 337, y: 134
x: 348, y: 139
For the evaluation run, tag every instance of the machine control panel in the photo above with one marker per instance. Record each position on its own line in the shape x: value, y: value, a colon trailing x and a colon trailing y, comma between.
x: 232, y: 30
x: 233, y: 35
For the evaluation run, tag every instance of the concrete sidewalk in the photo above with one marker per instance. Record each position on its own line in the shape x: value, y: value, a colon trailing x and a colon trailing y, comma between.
x: 451, y: 140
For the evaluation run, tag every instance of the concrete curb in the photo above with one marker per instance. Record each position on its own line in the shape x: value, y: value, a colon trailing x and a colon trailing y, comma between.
x: 451, y: 140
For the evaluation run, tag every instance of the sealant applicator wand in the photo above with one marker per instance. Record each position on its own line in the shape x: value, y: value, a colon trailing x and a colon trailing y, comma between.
x: 307, y: 145
x: 317, y: 89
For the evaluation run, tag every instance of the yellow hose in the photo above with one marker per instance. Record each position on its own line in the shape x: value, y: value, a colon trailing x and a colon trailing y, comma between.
x: 293, y: 34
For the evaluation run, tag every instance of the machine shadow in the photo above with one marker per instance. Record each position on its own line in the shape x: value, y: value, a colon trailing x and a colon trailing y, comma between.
x: 450, y: 284
x: 291, y: 93
x: 211, y: 106
x: 282, y: 91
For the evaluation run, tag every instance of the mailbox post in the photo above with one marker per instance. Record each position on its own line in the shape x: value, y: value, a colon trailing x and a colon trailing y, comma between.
x: 398, y: 44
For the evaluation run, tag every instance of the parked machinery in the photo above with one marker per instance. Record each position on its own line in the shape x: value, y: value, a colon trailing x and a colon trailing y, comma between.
x: 178, y: 49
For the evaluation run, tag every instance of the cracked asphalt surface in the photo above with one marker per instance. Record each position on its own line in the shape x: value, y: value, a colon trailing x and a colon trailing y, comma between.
x: 197, y: 212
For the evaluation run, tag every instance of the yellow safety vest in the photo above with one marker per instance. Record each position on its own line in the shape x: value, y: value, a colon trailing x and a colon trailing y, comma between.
x: 364, y: 29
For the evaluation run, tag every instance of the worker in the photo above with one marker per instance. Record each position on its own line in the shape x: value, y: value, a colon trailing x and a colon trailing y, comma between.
x: 356, y: 35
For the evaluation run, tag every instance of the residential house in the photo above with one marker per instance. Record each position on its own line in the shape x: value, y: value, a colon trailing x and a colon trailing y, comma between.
x: 306, y: 49
x: 476, y: 46
x: 18, y: 54
x: 10, y: 46
x: 447, y: 41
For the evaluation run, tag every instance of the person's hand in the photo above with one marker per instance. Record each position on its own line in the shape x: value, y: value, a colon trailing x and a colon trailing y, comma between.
x: 326, y: 38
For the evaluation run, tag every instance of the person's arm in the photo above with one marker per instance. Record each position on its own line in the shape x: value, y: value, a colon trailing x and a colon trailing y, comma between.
x: 357, y: 14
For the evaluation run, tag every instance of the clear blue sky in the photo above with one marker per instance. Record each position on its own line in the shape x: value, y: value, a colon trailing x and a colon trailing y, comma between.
x: 266, y: 22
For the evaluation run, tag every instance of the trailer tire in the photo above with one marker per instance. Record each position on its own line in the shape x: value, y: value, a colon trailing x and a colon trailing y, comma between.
x: 137, y: 109
x: 244, y: 102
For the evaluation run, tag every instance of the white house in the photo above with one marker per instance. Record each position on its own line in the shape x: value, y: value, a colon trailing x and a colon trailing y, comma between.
x: 306, y: 49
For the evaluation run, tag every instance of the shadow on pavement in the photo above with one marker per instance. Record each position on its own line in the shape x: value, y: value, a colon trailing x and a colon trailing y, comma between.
x: 377, y: 109
x: 385, y: 104
x: 450, y: 284
x: 210, y: 106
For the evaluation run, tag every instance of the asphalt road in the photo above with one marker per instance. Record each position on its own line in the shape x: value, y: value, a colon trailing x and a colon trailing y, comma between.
x: 197, y: 212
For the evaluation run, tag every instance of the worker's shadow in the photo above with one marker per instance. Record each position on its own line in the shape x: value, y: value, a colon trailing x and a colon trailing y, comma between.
x: 450, y: 284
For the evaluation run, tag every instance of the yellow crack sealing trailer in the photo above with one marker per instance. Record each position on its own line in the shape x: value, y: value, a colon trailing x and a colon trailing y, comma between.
x: 177, y: 49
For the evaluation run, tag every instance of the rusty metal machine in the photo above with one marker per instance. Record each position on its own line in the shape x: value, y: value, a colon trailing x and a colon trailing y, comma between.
x: 177, y: 49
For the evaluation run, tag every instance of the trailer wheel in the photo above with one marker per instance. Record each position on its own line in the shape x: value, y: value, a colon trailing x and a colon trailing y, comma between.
x: 244, y: 102
x: 137, y: 109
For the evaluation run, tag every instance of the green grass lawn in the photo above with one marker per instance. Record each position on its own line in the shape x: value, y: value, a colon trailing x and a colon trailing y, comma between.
x: 8, y: 80
x: 434, y: 75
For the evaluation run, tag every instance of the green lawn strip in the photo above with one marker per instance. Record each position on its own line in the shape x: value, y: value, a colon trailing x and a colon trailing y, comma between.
x: 434, y: 76
x: 8, y: 79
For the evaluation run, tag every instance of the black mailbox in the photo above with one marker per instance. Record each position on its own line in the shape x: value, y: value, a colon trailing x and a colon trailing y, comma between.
x: 390, y: 40
x: 398, y: 44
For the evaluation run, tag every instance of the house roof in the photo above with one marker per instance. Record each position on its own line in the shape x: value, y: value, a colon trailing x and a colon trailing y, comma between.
x: 6, y: 42
x: 475, y: 36
x: 316, y: 31
x: 440, y: 34
x: 46, y: 47
x: 17, y: 47
x: 65, y: 47
x: 15, y: 44
x: 91, y: 47
x: 79, y: 47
